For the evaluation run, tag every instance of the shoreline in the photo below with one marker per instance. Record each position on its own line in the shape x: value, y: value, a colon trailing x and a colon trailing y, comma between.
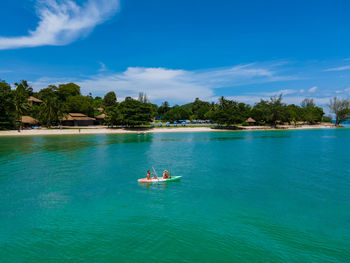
x: 103, y: 130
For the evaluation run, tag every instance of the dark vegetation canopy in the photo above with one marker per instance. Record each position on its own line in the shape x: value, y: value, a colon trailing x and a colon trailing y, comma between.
x: 57, y: 101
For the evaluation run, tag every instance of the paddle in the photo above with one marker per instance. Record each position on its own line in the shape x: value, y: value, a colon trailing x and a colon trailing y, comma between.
x: 154, y: 170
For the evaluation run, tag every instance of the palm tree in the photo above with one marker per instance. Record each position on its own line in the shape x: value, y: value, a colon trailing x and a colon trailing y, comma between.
x: 21, y: 102
x: 50, y: 110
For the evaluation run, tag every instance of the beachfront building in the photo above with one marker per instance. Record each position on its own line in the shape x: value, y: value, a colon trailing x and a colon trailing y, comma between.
x: 28, y: 122
x: 251, y: 121
x: 34, y: 101
x: 77, y: 119
x: 100, y: 119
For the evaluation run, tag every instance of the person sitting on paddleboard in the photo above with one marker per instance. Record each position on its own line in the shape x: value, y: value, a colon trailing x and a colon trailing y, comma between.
x: 166, y: 175
x: 149, y: 175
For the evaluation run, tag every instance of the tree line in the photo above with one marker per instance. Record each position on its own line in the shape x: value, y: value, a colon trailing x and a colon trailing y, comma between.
x: 59, y: 100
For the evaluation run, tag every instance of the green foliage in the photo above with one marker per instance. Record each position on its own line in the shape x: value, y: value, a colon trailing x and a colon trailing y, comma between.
x: 327, y: 118
x: 163, y: 108
x: 199, y: 108
x: 48, y: 92
x: 177, y: 113
x: 271, y: 112
x: 66, y: 98
x: 341, y: 109
x: 80, y: 104
x: 134, y: 112
x: 7, y: 109
x: 20, y: 100
x: 23, y: 85
x: 110, y: 99
x: 229, y: 112
x: 65, y: 91
x: 49, y: 111
x: 113, y: 116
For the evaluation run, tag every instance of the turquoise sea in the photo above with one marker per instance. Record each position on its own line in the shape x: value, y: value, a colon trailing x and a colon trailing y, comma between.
x: 264, y: 196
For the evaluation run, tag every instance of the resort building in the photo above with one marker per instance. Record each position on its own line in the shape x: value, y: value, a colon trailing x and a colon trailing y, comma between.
x: 34, y: 100
x: 100, y: 119
x: 77, y: 119
x: 251, y: 121
x: 27, y: 121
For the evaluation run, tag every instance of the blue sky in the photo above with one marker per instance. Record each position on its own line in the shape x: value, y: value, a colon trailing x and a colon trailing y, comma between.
x: 177, y: 50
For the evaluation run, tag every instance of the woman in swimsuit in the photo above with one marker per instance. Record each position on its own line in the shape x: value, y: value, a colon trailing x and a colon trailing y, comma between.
x: 166, y: 175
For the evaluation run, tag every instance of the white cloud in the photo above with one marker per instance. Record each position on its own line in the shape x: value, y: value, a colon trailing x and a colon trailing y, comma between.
x: 338, y: 68
x: 62, y: 22
x: 322, y: 101
x: 313, y: 89
x: 284, y: 92
x: 174, y: 85
x: 182, y: 86
x: 103, y: 67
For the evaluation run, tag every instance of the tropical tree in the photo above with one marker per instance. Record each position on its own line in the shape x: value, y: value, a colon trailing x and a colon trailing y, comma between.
x: 310, y: 112
x: 6, y: 106
x: 229, y: 112
x: 341, y: 109
x: 21, y: 101
x: 65, y: 91
x: 293, y: 113
x: 163, y: 108
x: 110, y: 99
x: 277, y: 111
x: 52, y: 109
x: 49, y: 111
x: 134, y: 112
x: 81, y: 104
x: 142, y: 97
x: 177, y: 113
x: 24, y: 85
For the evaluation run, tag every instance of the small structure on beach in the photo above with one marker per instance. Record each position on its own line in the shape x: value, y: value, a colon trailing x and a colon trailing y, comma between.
x: 34, y: 100
x: 251, y: 121
x: 100, y: 119
x: 77, y: 119
x: 27, y: 121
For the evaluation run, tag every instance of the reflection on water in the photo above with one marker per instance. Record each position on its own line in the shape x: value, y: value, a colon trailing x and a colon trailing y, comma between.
x: 11, y: 147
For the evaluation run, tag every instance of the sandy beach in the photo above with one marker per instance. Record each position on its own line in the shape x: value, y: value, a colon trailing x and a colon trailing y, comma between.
x: 105, y: 130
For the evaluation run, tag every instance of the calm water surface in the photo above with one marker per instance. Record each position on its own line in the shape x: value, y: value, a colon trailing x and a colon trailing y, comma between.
x: 277, y: 196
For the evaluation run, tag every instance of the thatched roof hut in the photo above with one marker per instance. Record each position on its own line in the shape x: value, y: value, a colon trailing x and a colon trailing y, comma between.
x: 250, y: 120
x: 77, y: 119
x: 100, y: 109
x: 35, y: 100
x: 101, y: 116
x: 29, y: 120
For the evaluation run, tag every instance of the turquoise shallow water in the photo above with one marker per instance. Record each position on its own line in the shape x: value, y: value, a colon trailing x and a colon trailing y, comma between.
x: 277, y: 196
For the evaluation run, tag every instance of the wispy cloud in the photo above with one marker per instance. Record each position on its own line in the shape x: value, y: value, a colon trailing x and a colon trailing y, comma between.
x: 62, y: 22
x: 175, y: 85
x: 287, y: 99
x: 338, y: 68
x: 103, y: 67
x: 313, y: 89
